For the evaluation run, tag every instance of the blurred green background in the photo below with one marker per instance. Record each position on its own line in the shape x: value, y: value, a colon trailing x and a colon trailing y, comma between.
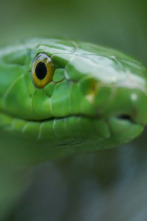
x: 93, y: 187
x: 116, y: 23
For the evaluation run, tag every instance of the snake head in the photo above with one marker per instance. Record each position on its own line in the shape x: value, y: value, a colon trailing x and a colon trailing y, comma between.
x: 75, y: 95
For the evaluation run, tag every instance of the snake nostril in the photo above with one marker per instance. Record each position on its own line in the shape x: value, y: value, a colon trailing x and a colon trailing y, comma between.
x: 125, y: 117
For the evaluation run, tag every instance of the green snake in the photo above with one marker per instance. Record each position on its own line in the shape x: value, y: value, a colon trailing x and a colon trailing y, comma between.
x: 66, y: 93
x: 66, y: 97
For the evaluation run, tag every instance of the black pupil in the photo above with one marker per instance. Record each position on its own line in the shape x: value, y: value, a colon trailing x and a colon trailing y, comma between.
x: 41, y: 70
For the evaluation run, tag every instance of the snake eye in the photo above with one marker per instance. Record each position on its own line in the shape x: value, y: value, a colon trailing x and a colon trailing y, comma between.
x: 42, y: 70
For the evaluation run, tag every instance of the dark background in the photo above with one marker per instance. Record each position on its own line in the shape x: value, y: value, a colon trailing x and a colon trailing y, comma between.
x: 111, y: 185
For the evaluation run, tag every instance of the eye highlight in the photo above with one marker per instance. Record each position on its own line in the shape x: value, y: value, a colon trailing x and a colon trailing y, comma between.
x: 42, y: 70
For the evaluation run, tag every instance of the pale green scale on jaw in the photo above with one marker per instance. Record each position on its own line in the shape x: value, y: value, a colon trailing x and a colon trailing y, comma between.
x: 97, y: 98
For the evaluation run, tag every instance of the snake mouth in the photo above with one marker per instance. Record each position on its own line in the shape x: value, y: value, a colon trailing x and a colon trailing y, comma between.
x: 120, y: 117
x: 73, y: 130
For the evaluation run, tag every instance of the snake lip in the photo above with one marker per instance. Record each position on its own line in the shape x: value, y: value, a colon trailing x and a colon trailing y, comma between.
x: 120, y: 117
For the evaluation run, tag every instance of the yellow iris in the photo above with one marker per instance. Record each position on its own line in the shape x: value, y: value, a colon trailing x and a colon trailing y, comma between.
x: 42, y: 70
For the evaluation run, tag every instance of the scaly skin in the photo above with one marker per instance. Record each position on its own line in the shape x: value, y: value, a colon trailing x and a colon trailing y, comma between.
x: 96, y: 100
